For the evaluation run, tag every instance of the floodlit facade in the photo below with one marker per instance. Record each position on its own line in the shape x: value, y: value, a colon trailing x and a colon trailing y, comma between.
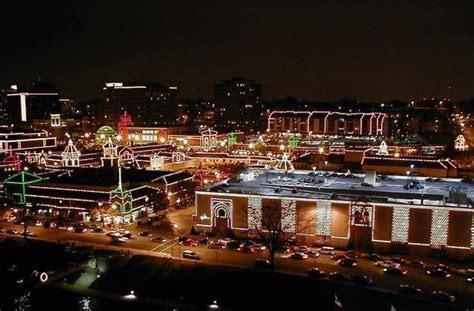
x: 344, y: 215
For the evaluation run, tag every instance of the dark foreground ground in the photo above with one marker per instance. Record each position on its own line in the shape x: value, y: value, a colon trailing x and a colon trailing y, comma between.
x: 161, y: 284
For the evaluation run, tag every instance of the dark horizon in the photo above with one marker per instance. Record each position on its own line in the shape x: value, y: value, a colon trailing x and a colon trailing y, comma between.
x: 312, y: 50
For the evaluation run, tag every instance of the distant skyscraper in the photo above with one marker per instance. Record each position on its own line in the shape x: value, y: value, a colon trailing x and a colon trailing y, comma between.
x: 36, y: 102
x: 149, y: 104
x: 238, y: 103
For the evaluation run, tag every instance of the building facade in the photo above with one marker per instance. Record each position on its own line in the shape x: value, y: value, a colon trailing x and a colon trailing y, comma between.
x: 239, y: 103
x: 150, y: 104
x: 361, y: 225
x: 37, y: 102
x: 329, y: 123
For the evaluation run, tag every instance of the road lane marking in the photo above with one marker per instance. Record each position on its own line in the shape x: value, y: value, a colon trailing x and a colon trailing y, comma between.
x: 161, y: 244
x: 176, y: 242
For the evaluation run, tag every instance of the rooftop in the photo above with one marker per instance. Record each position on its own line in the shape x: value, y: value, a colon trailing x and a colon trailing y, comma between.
x: 340, y: 186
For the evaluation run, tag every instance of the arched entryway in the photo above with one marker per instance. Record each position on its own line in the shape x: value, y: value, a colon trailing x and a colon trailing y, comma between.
x: 221, y: 215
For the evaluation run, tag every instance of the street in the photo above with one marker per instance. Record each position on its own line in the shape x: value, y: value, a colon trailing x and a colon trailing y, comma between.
x: 455, y: 285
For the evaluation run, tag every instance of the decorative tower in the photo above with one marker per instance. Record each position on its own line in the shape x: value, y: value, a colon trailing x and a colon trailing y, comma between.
x: 121, y: 199
x: 110, y: 154
x: 156, y: 161
x: 208, y: 139
x: 284, y: 164
x: 70, y: 155
x: 231, y: 140
x: 125, y: 121
x: 12, y: 162
x: 460, y: 143
x: 383, y: 149
x: 293, y: 142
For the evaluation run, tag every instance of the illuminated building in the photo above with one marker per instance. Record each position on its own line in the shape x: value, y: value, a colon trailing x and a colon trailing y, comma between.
x: 37, y: 102
x: 150, y: 104
x: 460, y: 143
x: 238, y: 103
x: 10, y: 163
x: 344, y: 213
x: 82, y: 190
x: 104, y: 134
x: 329, y: 123
x: 26, y: 140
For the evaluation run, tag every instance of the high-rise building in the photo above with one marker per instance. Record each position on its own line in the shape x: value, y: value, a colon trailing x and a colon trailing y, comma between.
x: 148, y: 103
x: 3, y: 106
x: 36, y: 102
x: 239, y: 103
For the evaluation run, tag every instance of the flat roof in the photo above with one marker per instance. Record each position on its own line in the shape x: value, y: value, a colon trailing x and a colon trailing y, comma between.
x: 331, y: 185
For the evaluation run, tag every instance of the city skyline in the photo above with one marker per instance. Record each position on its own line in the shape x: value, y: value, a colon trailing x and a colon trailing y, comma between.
x: 378, y: 52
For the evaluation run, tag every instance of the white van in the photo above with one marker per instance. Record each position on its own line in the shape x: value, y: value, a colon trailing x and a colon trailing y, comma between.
x: 327, y: 250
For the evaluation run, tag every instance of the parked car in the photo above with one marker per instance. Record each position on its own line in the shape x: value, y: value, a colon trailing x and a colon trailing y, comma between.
x: 353, y: 254
x: 327, y: 250
x: 410, y: 290
x: 301, y: 249
x: 246, y: 249
x: 438, y: 272
x: 259, y: 247
x: 79, y: 230
x: 299, y: 256
x: 395, y: 271
x: 182, y: 238
x: 373, y: 257
x: 191, y: 255
x: 119, y: 239
x: 361, y: 279
x: 337, y: 257
x: 189, y: 242
x: 263, y: 264
x: 316, y: 273
x: 347, y: 262
x: 339, y: 277
x: 284, y: 250
x: 216, y: 245
x: 399, y: 260
x: 12, y: 231
x: 387, y: 264
x: 312, y: 254
x: 442, y: 267
x: 442, y: 296
x: 127, y: 235
x: 234, y: 244
x: 145, y: 234
x: 418, y: 264
x: 466, y: 272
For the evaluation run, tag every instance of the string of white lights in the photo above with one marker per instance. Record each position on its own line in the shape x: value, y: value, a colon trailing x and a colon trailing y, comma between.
x: 323, y: 218
x: 400, y: 223
x: 439, y: 226
x: 254, y: 214
x: 288, y: 211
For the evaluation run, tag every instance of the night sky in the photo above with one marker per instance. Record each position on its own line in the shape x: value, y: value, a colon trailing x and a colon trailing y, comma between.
x: 315, y: 50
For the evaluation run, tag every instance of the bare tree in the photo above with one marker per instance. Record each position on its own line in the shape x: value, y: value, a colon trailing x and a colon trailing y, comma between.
x: 275, y: 226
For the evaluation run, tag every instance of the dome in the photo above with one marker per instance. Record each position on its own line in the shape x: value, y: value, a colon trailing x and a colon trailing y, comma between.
x: 105, y: 130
